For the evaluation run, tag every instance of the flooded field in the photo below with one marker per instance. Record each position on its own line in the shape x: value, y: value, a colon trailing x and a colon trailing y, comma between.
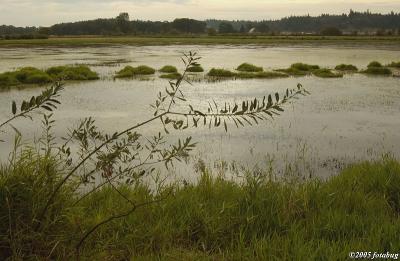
x: 342, y: 121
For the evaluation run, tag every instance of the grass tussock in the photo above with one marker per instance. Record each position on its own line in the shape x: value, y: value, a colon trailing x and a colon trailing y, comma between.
x: 172, y: 76
x: 327, y: 73
x: 72, y: 73
x: 304, y: 67
x: 247, y: 67
x: 195, y: 69
x: 221, y: 73
x: 34, y: 76
x: 130, y: 71
x: 374, y: 64
x: 378, y: 71
x: 216, y: 219
x: 346, y: 68
x: 25, y: 75
x: 169, y: 69
x: 394, y: 64
x: 261, y: 75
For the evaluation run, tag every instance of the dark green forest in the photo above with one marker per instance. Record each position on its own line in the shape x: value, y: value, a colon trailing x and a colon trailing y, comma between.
x: 351, y: 23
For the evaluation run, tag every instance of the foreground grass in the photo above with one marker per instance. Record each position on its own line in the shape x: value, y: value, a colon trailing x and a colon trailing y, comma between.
x: 184, y: 40
x: 214, y: 219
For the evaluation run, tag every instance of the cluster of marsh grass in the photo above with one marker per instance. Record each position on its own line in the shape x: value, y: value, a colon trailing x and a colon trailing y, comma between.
x: 247, y: 67
x: 195, y: 69
x: 168, y: 69
x: 130, y: 71
x: 346, y: 68
x: 31, y: 75
x: 376, y: 68
x: 326, y: 73
x: 172, y: 76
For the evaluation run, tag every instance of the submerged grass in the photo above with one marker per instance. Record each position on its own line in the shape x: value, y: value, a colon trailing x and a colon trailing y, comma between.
x: 326, y: 73
x: 247, y: 67
x: 130, y: 71
x: 255, y: 218
x: 174, y: 76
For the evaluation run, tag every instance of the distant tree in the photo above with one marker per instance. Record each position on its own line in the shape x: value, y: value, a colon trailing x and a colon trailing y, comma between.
x: 331, y: 31
x: 242, y: 29
x: 186, y: 25
x: 211, y: 31
x: 44, y: 30
x: 262, y: 27
x: 226, y: 28
x: 123, y: 22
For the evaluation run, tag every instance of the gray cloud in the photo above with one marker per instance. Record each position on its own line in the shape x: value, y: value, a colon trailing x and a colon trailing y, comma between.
x: 47, y: 12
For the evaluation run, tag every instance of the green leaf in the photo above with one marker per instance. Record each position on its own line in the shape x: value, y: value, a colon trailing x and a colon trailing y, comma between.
x: 14, y: 108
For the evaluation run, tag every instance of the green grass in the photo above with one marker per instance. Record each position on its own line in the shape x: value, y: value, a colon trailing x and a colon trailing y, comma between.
x: 394, y: 64
x: 326, y: 73
x: 213, y: 219
x: 293, y: 72
x: 378, y: 71
x: 172, y: 76
x: 201, y: 40
x: 169, y: 69
x: 247, y: 67
x: 34, y: 76
x: 72, y: 73
x: 299, y: 69
x: 374, y: 64
x: 195, y: 69
x: 304, y: 67
x: 346, y: 68
x: 221, y: 73
x: 130, y: 71
x: 261, y: 75
x: 23, y: 76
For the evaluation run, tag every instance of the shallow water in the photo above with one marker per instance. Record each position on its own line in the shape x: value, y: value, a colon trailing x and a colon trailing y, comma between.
x: 344, y: 120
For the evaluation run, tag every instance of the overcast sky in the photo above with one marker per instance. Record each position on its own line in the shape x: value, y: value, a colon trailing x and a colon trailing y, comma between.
x: 47, y: 12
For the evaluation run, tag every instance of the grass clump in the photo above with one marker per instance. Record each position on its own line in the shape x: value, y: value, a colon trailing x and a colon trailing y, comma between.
x: 394, y: 64
x: 326, y: 73
x: 72, y: 73
x: 304, y: 67
x: 261, y: 75
x: 378, y: 71
x: 195, y: 69
x: 299, y: 69
x: 374, y: 64
x: 172, y: 76
x: 221, y: 73
x: 346, y: 68
x: 25, y: 75
x: 130, y: 71
x: 169, y: 69
x: 293, y: 72
x: 247, y: 67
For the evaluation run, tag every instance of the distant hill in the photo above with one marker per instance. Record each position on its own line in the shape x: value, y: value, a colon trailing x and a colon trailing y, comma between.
x: 351, y: 23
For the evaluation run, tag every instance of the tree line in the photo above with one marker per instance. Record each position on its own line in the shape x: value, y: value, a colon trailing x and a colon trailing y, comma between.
x: 122, y: 25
